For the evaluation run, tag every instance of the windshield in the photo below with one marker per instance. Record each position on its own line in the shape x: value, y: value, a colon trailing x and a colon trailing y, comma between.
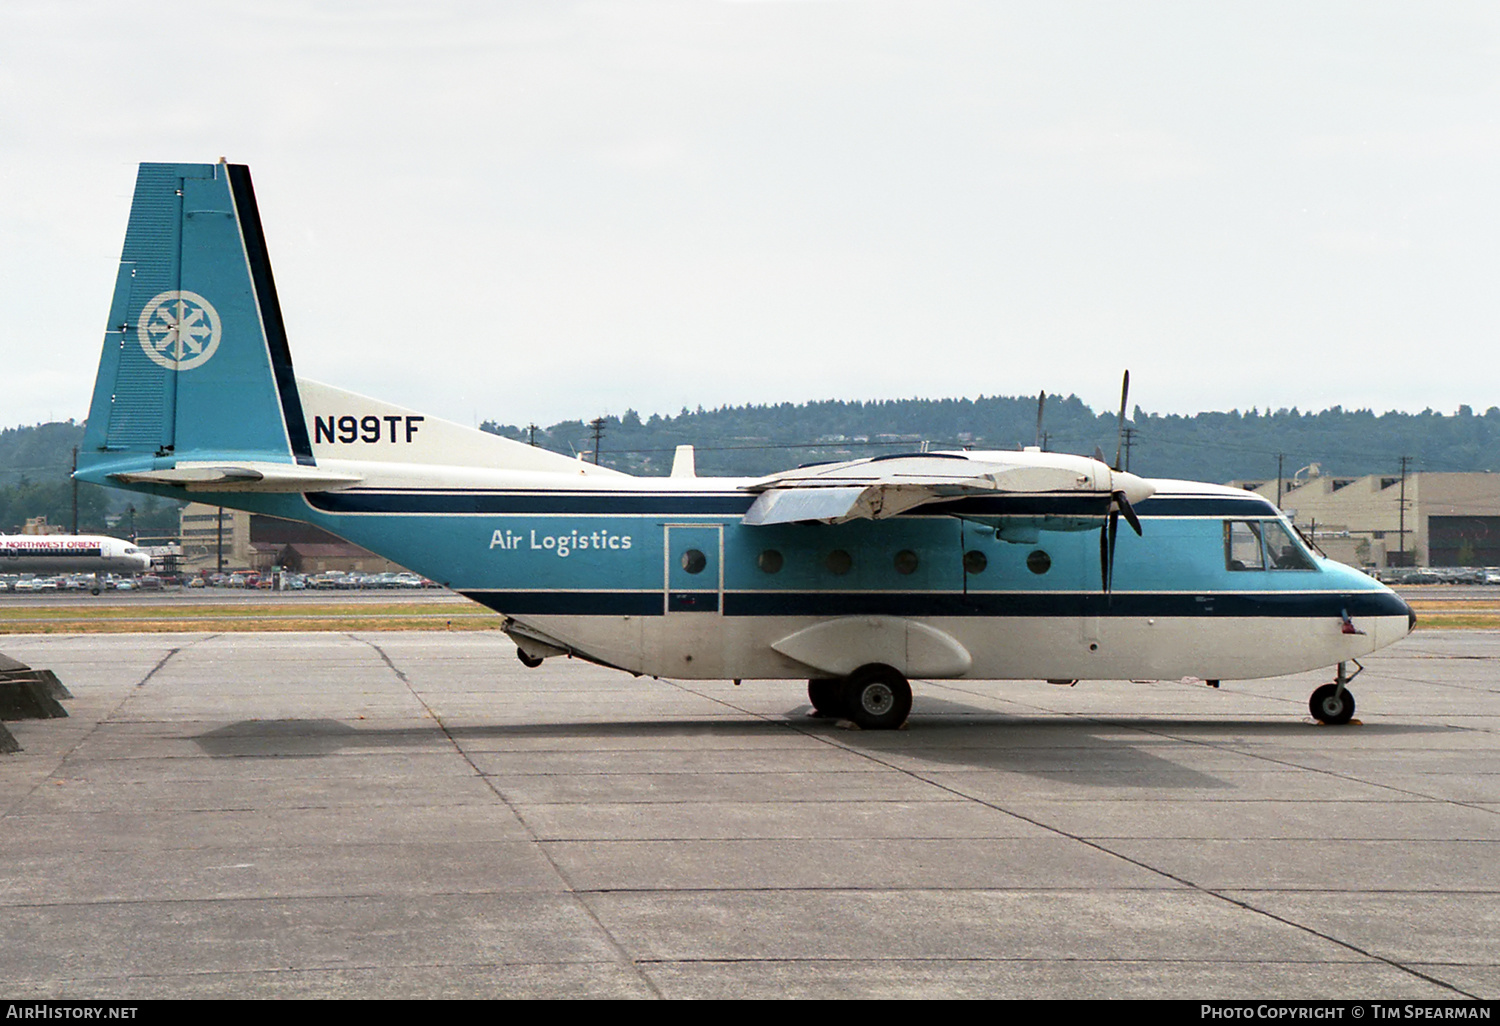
x: 1263, y: 545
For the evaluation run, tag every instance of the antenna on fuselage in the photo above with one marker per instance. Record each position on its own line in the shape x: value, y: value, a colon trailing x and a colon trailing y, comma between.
x: 683, y: 464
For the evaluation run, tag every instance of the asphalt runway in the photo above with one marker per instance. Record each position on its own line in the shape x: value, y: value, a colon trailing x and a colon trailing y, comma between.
x: 417, y: 815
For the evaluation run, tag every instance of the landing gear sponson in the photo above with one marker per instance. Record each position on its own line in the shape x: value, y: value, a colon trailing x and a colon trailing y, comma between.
x: 875, y: 696
x: 1333, y: 704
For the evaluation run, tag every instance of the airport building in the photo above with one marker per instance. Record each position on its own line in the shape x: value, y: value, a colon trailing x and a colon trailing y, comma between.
x: 235, y: 540
x: 1423, y: 519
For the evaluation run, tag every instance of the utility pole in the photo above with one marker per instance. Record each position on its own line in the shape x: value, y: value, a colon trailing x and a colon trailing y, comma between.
x: 1404, y: 461
x: 532, y: 428
x: 221, y: 539
x: 1129, y: 436
x: 75, y: 489
x: 597, y: 426
x: 1279, y: 457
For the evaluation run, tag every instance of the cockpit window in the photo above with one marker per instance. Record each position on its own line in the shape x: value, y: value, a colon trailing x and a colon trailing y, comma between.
x: 1242, y: 545
x: 1262, y: 545
x: 1283, y: 552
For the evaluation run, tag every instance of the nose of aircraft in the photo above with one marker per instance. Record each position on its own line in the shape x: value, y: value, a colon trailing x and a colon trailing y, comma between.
x: 1411, y: 616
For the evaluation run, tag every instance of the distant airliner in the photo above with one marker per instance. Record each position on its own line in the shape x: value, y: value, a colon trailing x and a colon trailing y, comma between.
x: 71, y: 554
x: 854, y: 576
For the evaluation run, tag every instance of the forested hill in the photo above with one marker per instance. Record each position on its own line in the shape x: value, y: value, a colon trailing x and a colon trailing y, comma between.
x: 750, y: 440
x: 35, y: 464
x: 1202, y: 447
x: 43, y: 452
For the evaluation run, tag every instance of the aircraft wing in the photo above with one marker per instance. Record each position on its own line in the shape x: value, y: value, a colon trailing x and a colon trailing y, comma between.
x: 886, y: 486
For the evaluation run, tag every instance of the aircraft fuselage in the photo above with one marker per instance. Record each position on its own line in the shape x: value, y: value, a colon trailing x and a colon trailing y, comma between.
x: 70, y: 554
x: 658, y: 576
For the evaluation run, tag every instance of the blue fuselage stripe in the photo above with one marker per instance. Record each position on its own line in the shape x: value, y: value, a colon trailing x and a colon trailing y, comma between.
x: 933, y: 604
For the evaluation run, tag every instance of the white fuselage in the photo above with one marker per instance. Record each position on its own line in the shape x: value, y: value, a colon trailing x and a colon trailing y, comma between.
x: 70, y: 554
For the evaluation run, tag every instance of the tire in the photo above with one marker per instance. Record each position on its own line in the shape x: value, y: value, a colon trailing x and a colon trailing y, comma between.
x: 1328, y: 706
x: 528, y: 660
x: 877, y: 697
x: 827, y: 698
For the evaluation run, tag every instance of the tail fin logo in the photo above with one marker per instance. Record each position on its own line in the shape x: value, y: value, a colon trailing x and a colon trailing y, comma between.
x: 179, y: 330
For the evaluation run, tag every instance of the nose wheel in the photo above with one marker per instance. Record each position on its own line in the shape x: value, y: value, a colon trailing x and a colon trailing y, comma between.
x: 1333, y: 704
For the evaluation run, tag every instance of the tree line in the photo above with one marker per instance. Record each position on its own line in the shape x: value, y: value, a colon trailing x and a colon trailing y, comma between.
x: 1212, y: 446
x: 751, y: 440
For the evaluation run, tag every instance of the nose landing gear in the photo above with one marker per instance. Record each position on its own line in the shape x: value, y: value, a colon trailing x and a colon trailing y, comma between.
x: 1333, y: 704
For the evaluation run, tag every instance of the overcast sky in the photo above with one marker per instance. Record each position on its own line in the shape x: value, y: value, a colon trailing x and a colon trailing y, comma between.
x: 539, y: 211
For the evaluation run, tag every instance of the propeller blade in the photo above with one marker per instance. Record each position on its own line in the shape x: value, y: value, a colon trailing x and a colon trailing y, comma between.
x: 1120, y: 433
x: 1129, y: 511
x: 1104, y: 567
x: 1114, y: 528
x: 1041, y: 402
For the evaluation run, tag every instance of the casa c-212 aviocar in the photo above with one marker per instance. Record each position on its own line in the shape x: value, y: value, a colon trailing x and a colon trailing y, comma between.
x: 854, y: 576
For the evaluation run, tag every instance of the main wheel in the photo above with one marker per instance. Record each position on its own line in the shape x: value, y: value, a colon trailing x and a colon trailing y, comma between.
x: 530, y: 661
x: 1329, y: 706
x: 877, y: 697
x: 827, y: 698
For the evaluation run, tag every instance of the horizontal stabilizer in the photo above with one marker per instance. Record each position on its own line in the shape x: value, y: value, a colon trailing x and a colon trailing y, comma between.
x: 241, y: 477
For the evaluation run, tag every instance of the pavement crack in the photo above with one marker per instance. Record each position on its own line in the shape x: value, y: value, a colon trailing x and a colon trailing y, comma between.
x: 621, y: 954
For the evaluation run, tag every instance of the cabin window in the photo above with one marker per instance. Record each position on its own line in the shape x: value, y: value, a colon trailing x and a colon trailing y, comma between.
x: 839, y: 562
x: 906, y: 562
x: 1038, y: 562
x: 1262, y: 545
x: 975, y: 562
x: 769, y: 561
x: 694, y: 561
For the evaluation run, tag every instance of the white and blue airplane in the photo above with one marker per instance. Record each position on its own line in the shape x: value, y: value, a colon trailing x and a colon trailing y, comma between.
x: 854, y: 576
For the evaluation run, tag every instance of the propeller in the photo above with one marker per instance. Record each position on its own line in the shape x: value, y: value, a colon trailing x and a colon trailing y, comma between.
x: 1119, y: 503
x: 1041, y: 403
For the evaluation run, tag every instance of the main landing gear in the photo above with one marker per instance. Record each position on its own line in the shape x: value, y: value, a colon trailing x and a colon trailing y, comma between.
x: 877, y: 697
x: 1333, y: 704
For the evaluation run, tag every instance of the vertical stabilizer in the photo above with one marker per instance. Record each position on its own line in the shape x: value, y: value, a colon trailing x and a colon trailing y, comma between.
x: 196, y: 364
